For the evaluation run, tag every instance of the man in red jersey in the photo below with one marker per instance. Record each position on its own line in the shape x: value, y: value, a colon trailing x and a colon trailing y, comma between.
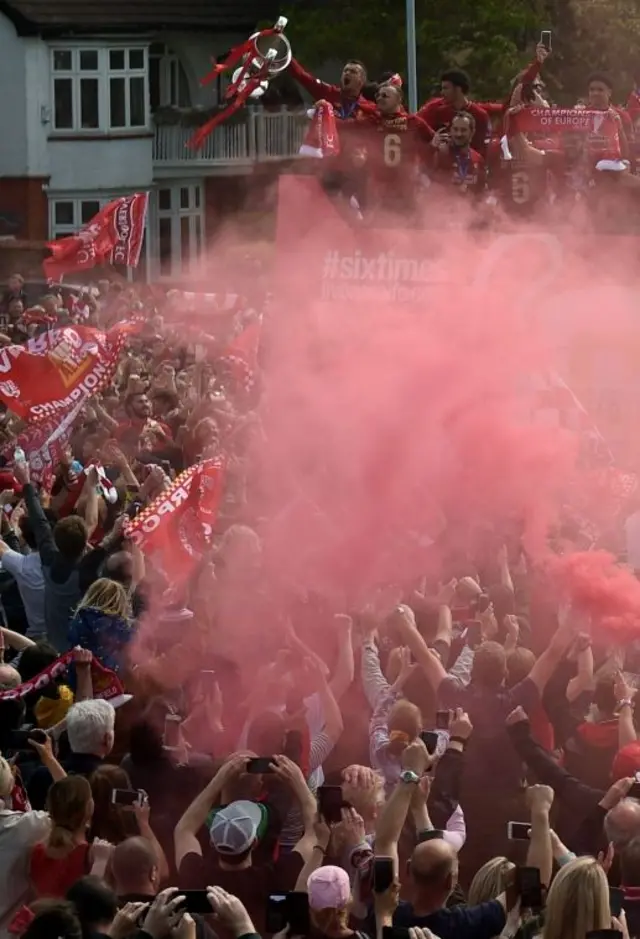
x: 347, y: 99
x: 439, y: 112
x: 612, y: 142
x: 454, y: 161
x: 396, y: 143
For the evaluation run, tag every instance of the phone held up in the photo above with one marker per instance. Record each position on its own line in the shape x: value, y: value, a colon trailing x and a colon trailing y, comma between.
x: 128, y: 797
x: 545, y: 39
x: 290, y: 909
x: 171, y: 739
x: 383, y: 874
x: 331, y: 804
x: 529, y: 888
x: 430, y: 740
x: 518, y: 831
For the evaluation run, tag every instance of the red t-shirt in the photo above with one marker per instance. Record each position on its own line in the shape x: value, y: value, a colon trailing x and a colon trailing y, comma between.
x: 52, y: 877
x: 438, y: 113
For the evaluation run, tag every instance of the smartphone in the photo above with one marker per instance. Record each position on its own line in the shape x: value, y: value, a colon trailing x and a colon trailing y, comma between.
x: 473, y: 635
x: 297, y: 912
x: 518, y: 831
x: 634, y: 792
x: 260, y: 764
x: 196, y: 901
x: 207, y: 678
x: 529, y: 887
x: 383, y: 874
x: 545, y: 39
x: 330, y: 804
x: 20, y: 739
x: 127, y: 797
x: 483, y: 603
x: 293, y: 745
x: 276, y: 918
x: 171, y: 737
x: 443, y: 719
x: 430, y: 740
x: 432, y: 835
x: 616, y: 899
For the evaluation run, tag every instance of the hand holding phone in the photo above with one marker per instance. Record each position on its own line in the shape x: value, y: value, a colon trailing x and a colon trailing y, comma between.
x: 330, y: 804
x: 172, y: 736
x: 383, y: 874
x: 529, y: 887
x: 443, y: 719
x: 430, y: 740
x: 196, y: 901
x: 128, y: 797
x: 260, y: 765
x: 545, y: 39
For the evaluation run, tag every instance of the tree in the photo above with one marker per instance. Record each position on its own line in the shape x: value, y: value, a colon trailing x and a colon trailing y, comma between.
x: 490, y: 39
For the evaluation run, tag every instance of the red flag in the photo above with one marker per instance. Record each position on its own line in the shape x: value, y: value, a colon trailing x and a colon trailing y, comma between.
x: 177, y: 527
x: 44, y: 443
x: 321, y: 139
x: 241, y: 355
x: 113, y: 236
x: 48, y: 374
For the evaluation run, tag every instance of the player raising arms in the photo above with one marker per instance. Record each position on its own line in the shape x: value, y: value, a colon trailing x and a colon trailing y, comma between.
x: 346, y: 98
x: 396, y: 144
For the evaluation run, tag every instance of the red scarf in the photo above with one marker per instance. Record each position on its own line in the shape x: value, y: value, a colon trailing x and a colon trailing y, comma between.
x: 106, y: 683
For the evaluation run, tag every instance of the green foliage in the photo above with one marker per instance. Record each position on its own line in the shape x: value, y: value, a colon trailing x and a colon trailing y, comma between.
x: 491, y: 39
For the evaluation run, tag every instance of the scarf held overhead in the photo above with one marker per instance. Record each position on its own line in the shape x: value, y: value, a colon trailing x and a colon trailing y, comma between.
x: 48, y: 375
x: 177, y: 527
x: 106, y: 683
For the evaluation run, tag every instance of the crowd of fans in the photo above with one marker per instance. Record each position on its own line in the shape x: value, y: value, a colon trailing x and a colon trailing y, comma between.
x: 458, y: 760
x: 415, y: 165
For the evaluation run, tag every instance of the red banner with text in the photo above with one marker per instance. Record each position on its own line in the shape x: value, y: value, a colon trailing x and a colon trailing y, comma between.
x: 48, y: 375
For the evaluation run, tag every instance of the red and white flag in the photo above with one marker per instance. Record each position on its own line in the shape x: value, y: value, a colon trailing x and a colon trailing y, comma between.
x: 50, y: 373
x: 321, y: 139
x: 113, y: 236
x: 44, y: 443
x: 176, y: 529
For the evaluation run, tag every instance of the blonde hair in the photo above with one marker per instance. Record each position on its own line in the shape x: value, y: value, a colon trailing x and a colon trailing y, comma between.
x: 488, y: 882
x: 109, y: 597
x: 405, y: 723
x: 68, y: 803
x: 330, y: 920
x: 578, y: 901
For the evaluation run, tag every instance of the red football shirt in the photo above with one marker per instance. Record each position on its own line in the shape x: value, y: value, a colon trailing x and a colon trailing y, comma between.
x: 464, y: 170
x: 438, y: 113
x: 395, y: 147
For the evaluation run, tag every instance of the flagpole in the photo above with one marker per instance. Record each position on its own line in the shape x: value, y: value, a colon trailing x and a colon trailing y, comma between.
x: 412, y: 67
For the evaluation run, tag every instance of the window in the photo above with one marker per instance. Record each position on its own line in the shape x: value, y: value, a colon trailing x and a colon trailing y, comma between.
x: 68, y: 215
x: 100, y: 89
x: 180, y: 228
x: 168, y: 83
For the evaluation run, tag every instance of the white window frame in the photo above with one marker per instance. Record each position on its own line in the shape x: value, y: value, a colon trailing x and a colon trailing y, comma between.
x: 170, y: 70
x: 62, y: 230
x: 104, y: 74
x: 176, y: 213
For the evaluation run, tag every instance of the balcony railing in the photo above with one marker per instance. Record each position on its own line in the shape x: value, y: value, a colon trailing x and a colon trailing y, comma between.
x: 264, y: 136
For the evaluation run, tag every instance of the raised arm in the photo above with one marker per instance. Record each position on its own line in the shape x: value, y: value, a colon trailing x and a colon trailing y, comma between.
x: 316, y: 88
x: 185, y: 836
x: 430, y: 664
x: 415, y: 762
x: 540, y: 852
x: 546, y: 665
x: 41, y: 528
x: 625, y: 696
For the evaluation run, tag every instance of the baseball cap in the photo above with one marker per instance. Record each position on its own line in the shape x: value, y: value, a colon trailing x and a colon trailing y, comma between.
x: 235, y: 828
x: 329, y: 888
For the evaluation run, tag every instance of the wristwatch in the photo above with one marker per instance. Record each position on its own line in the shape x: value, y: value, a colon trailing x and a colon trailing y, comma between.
x: 408, y: 776
x: 628, y: 702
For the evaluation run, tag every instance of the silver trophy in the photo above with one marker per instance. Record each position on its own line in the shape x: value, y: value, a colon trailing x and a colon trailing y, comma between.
x: 270, y: 55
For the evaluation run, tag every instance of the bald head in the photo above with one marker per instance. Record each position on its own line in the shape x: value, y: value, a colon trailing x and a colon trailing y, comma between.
x: 434, y: 866
x: 622, y: 822
x: 9, y: 677
x: 134, y: 867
